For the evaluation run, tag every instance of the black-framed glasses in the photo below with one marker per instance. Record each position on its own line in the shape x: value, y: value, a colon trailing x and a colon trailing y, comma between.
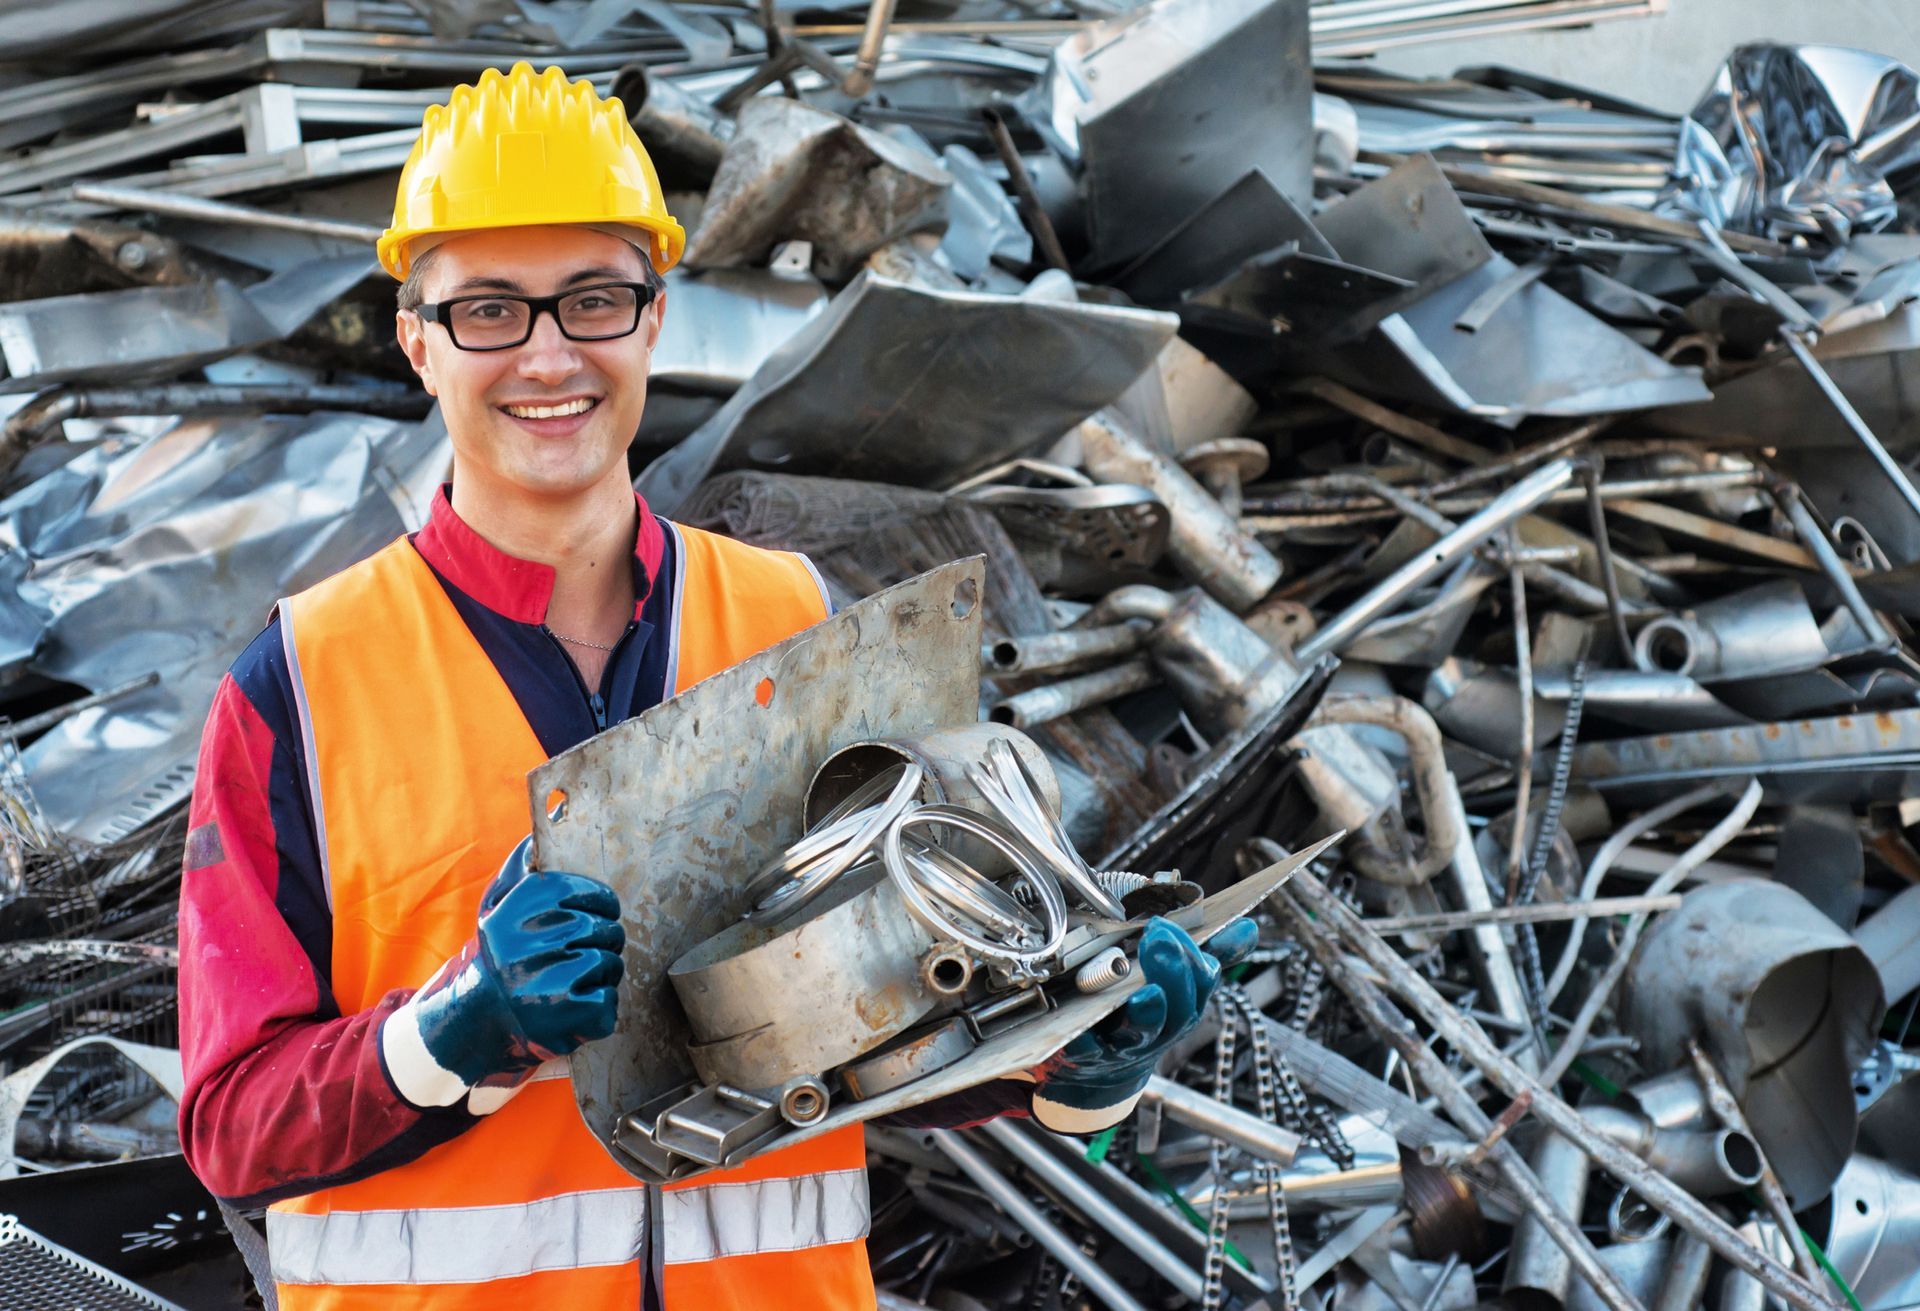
x: 499, y: 321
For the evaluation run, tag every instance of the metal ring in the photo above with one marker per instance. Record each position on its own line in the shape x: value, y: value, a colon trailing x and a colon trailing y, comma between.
x: 804, y: 886
x: 1010, y: 788
x: 1026, y: 864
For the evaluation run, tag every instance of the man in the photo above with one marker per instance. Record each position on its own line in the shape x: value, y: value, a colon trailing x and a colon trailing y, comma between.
x: 377, y: 993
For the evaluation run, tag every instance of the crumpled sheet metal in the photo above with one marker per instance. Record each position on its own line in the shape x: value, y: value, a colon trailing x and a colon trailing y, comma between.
x: 795, y: 173
x: 888, y: 385
x: 167, y: 556
x: 1799, y: 139
x: 1124, y: 100
x: 114, y: 335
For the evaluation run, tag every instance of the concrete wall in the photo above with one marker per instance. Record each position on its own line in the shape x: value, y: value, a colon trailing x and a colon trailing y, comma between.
x: 1666, y: 62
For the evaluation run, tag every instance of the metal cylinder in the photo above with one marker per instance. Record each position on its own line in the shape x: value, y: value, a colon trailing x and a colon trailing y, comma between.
x: 1056, y: 700
x: 1685, y: 1280
x: 1230, y: 1124
x: 1014, y: 1202
x: 1390, y: 857
x: 1206, y: 543
x: 1041, y: 653
x: 1537, y: 1270
x: 943, y: 756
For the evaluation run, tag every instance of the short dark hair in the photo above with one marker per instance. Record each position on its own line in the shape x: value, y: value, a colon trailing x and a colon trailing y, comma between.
x: 412, y: 294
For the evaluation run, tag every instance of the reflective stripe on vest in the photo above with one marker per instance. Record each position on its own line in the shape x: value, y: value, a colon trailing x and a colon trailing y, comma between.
x: 458, y: 1245
x: 417, y: 756
x: 708, y: 1221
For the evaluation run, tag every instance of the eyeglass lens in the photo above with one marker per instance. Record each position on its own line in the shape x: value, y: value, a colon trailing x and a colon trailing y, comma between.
x: 503, y: 321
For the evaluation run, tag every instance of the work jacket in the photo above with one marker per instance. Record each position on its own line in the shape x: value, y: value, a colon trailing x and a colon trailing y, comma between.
x: 411, y: 722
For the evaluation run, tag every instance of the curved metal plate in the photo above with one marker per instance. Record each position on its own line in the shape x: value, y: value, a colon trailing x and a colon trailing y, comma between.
x: 678, y: 807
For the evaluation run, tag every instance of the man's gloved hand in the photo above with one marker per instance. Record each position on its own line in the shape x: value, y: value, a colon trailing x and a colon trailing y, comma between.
x: 1095, y: 1080
x: 539, y: 977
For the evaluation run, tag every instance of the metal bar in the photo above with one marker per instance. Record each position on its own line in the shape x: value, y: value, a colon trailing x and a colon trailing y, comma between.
x: 1393, y: 1029
x: 1523, y: 497
x: 1306, y: 499
x: 48, y: 718
x: 1835, y: 397
x: 1098, y: 1210
x: 1700, y: 526
x: 1472, y: 1043
x: 1794, y: 502
x: 1603, y: 548
x: 1492, y: 952
x: 1726, y: 1107
x: 1400, y: 425
x: 1342, y: 1245
x: 1452, y: 921
x: 873, y: 35
x: 1015, y: 1203
x: 221, y: 211
x: 1031, y: 209
x: 1040, y: 653
x: 1230, y: 1124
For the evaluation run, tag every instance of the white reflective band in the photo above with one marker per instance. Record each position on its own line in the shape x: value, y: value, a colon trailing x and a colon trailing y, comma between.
x: 1062, y: 1118
x: 458, y: 1245
x: 774, y: 1215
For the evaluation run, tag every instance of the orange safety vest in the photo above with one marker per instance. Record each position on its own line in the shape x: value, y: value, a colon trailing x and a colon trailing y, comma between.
x: 419, y: 792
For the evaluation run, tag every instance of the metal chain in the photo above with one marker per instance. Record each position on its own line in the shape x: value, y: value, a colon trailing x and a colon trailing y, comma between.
x: 1307, y: 982
x: 1533, y: 976
x: 1213, y: 1270
x: 1265, y: 1070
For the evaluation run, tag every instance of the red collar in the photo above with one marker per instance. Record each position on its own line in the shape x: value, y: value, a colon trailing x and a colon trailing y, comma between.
x: 518, y: 589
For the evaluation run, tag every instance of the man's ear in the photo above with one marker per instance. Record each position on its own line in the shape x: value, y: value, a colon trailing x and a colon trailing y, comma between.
x: 656, y: 318
x: 411, y: 331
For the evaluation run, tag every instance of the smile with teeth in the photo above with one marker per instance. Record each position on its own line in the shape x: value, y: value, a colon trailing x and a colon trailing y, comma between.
x: 580, y: 406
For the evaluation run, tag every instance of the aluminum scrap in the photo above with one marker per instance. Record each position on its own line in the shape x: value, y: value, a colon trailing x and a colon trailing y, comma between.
x: 1510, y: 479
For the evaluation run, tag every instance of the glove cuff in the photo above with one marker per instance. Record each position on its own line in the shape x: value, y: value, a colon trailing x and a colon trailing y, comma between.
x: 454, y: 1042
x: 1065, y: 1117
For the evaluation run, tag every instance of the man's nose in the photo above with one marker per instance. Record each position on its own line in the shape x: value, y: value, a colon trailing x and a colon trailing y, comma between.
x: 547, y: 355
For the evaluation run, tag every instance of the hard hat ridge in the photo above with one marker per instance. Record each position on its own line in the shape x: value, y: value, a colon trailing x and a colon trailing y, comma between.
x: 522, y: 149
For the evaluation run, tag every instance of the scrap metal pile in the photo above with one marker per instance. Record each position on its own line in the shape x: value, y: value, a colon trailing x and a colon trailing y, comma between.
x: 1513, y: 481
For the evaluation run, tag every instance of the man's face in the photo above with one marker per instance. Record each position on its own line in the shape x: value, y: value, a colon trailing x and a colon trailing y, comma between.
x: 489, y: 398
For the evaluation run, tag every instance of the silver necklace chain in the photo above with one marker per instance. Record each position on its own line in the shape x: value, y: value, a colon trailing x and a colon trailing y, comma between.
x: 581, y: 641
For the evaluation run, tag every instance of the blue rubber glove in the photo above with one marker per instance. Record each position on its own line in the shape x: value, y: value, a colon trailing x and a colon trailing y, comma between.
x: 539, y: 978
x: 1096, y: 1079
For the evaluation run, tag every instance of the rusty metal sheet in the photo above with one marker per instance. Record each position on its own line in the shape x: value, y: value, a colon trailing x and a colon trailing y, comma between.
x: 677, y: 807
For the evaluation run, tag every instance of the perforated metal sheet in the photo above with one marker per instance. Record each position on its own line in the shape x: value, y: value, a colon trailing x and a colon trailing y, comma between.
x: 36, y: 1275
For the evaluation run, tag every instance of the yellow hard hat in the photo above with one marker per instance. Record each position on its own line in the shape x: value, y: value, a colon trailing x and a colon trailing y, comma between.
x: 523, y: 149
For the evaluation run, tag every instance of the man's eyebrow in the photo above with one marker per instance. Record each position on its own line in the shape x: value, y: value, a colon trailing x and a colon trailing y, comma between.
x: 574, y: 279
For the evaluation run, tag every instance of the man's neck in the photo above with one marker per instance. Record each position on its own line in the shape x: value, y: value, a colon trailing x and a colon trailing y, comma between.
x: 587, y: 539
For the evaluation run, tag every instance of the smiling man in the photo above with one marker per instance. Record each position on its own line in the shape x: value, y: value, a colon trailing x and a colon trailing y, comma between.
x: 377, y: 993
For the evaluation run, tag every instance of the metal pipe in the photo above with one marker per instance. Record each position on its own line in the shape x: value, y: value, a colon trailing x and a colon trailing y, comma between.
x: 1518, y: 500
x: 1206, y: 543
x: 1535, y: 1264
x: 1431, y: 782
x: 1820, y: 546
x: 1055, y: 700
x: 1286, y: 507
x: 1134, y: 601
x: 1603, y: 549
x: 1099, y: 1210
x: 1460, y: 1104
x: 176, y: 205
x: 1230, y: 1124
x: 48, y: 718
x: 39, y: 417
x: 1042, y: 653
x: 1685, y: 1281
x: 1035, y: 213
x: 1727, y: 1107
x: 1473, y: 1044
x: 1452, y: 921
x: 1492, y: 953
x: 866, y: 62
x: 1011, y: 1200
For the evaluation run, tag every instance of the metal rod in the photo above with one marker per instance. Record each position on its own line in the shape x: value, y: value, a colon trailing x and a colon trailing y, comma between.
x: 1196, y: 1110
x: 1603, y: 548
x: 1835, y: 397
x: 1055, y: 700
x: 1473, y: 1044
x: 1523, y: 497
x: 1098, y: 1210
x: 1523, y: 747
x: 1307, y: 499
x: 222, y: 211
x: 1030, y: 207
x: 1727, y: 1108
x: 1393, y: 1029
x: 48, y: 718
x: 1492, y: 952
x: 1015, y: 1203
x: 873, y: 35
x: 1794, y: 502
x: 1452, y: 921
